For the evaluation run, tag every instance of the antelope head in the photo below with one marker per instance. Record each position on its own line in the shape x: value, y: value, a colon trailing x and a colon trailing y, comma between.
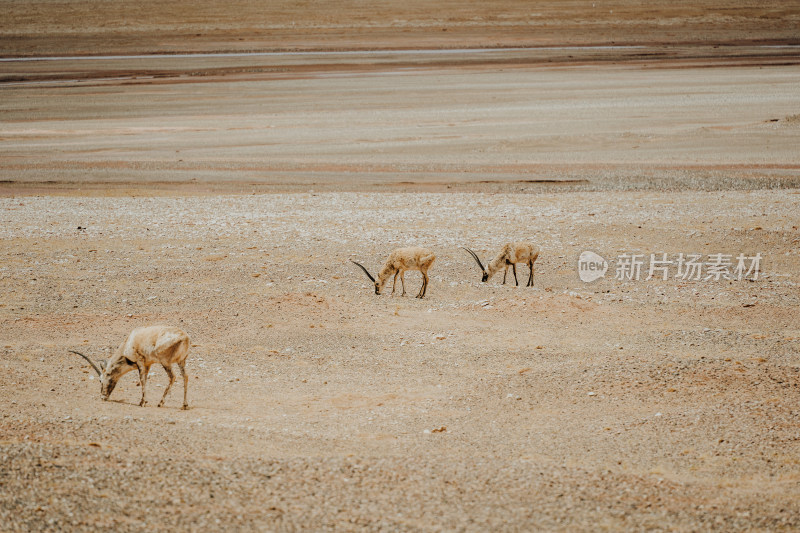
x: 477, y: 260
x: 378, y: 285
x: 110, y: 371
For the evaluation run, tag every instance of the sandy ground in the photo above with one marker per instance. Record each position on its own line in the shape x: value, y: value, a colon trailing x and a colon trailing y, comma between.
x: 316, y: 404
x: 45, y: 27
x: 227, y: 196
x: 486, y: 121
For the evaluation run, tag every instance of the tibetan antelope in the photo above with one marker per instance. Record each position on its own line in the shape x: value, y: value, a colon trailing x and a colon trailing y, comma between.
x: 511, y: 254
x: 402, y: 259
x: 143, y: 347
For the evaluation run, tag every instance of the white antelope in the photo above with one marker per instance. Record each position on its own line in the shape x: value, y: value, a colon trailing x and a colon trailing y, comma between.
x: 511, y: 254
x: 145, y: 346
x: 402, y: 259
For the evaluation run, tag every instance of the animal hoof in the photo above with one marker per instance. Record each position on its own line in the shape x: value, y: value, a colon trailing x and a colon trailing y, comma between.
x: 185, y: 408
x: 142, y: 403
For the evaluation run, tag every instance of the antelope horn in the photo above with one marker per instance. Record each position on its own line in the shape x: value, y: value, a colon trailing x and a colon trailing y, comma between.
x: 89, y: 360
x: 365, y: 271
x: 475, y: 256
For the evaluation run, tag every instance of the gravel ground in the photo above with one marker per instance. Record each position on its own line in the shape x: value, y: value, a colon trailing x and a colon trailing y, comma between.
x: 316, y: 404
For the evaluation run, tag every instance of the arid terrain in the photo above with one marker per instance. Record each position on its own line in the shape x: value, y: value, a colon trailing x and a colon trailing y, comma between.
x: 220, y: 166
x: 80, y: 27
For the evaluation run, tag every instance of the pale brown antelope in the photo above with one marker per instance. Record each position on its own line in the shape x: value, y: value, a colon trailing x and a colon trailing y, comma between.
x: 145, y: 346
x: 402, y: 259
x: 511, y: 254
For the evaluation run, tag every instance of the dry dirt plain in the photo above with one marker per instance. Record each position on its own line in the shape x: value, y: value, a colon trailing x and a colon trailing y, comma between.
x: 64, y: 27
x: 227, y: 195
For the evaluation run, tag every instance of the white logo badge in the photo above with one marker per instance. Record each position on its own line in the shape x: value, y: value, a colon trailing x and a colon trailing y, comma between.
x: 591, y: 266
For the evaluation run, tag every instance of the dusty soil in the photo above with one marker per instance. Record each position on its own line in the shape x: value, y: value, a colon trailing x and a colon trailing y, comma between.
x: 43, y: 27
x: 228, y: 194
x: 317, y: 404
x: 501, y: 121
